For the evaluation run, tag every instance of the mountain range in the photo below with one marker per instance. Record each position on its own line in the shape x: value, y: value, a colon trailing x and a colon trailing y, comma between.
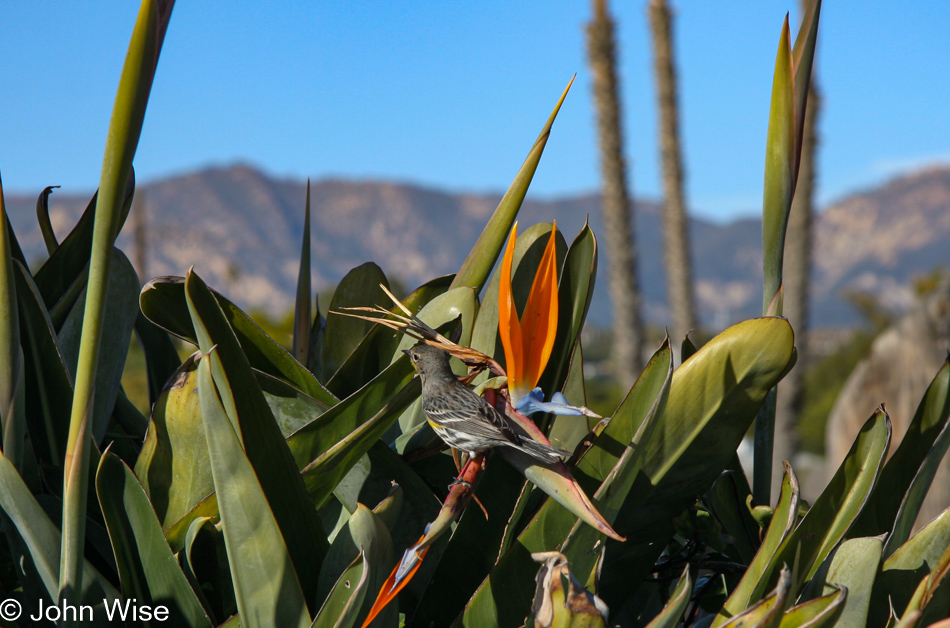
x: 241, y: 229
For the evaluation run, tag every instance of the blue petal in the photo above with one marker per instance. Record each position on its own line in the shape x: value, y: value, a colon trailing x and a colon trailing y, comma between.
x: 534, y: 402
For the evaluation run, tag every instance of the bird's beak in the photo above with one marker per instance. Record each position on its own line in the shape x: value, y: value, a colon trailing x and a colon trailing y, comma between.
x: 406, y: 351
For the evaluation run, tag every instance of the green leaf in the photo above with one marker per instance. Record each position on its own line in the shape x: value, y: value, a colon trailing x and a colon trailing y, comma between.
x: 345, y: 601
x: 378, y: 348
x: 42, y: 538
x: 173, y: 465
x: 48, y: 383
x: 726, y: 502
x: 302, y: 302
x: 671, y: 614
x: 575, y: 291
x: 292, y: 408
x: 318, y: 436
x: 914, y: 462
x: 476, y: 267
x: 259, y: 433
x: 266, y: 587
x: 912, y: 561
x: 42, y: 217
x: 832, y: 514
x: 780, y: 166
x: 713, y: 398
x: 365, y: 534
x: 148, y: 570
x: 768, y: 612
x: 163, y: 302
x: 71, y: 258
x: 161, y: 357
x: 11, y: 358
x: 648, y: 398
x: 854, y: 566
x: 125, y: 127
x: 323, y: 474
x: 910, y: 507
x: 342, y: 334
x: 118, y: 311
x: 803, y: 57
x: 765, y: 562
x: 507, y: 593
x: 817, y: 613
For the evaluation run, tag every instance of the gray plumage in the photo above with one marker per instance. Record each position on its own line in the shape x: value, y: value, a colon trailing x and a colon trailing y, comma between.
x: 463, y: 419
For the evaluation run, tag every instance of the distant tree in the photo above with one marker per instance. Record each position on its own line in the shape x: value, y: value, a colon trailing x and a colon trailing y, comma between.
x: 797, y: 276
x: 676, y: 251
x: 616, y: 205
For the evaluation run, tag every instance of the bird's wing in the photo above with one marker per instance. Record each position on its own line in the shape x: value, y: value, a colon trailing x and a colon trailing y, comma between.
x: 470, y: 414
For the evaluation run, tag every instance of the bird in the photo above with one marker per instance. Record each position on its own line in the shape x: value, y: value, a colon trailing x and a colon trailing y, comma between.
x: 463, y: 419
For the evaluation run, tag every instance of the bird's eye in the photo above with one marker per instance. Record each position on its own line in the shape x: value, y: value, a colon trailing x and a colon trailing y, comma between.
x: 415, y: 357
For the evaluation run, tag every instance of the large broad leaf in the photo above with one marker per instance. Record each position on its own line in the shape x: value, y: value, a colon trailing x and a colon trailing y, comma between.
x: 345, y: 601
x: 163, y: 302
x: 914, y: 497
x: 365, y: 533
x: 148, y: 570
x: 330, y: 428
x: 906, y: 567
x: 504, y: 597
x: 119, y: 311
x: 899, y: 472
x: 259, y: 433
x: 818, y: 613
x: 476, y: 267
x: 359, y: 288
x: 768, y: 612
x: 173, y: 465
x: 323, y: 474
x: 853, y: 567
x: 266, y: 587
x: 48, y: 382
x: 376, y: 350
x: 832, y: 514
x: 714, y: 397
x: 161, y: 357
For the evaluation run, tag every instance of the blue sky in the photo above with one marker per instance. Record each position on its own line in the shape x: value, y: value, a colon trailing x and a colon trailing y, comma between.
x: 453, y: 94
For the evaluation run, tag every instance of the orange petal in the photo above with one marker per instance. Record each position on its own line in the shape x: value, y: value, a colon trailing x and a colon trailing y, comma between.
x: 509, y: 328
x: 539, y: 321
x: 391, y: 588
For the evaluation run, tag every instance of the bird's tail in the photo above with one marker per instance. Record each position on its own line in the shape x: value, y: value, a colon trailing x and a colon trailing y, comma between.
x: 545, y: 453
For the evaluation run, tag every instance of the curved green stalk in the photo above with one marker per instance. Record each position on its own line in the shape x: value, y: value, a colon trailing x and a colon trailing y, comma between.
x: 124, y: 129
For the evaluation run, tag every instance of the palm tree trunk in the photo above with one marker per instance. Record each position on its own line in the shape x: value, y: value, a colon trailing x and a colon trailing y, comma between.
x: 679, y: 281
x: 616, y: 207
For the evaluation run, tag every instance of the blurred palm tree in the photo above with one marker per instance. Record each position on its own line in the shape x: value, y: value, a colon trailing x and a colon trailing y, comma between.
x: 616, y: 205
x: 676, y: 258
